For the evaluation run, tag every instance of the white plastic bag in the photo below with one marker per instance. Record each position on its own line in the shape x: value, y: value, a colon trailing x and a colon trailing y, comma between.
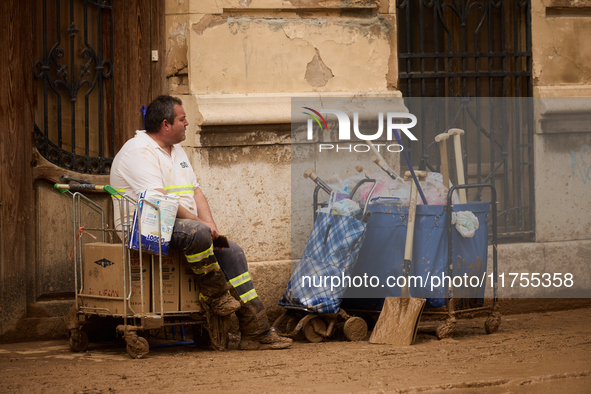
x: 345, y: 207
x: 466, y: 223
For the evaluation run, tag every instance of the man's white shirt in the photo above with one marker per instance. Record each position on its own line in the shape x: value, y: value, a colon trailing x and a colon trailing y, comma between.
x: 142, y: 164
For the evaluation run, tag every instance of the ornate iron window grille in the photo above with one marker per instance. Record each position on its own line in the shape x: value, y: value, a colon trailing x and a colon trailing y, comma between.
x: 466, y: 50
x: 89, y: 145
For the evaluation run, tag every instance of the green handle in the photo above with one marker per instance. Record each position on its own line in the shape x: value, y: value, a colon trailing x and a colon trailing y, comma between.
x: 85, y: 187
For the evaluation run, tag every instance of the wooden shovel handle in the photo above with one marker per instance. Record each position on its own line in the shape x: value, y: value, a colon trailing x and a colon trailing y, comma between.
x: 457, y: 134
x: 441, y: 139
x: 410, y: 228
x: 310, y: 173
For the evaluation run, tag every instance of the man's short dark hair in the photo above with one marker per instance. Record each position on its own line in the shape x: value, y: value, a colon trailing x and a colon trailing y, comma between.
x: 161, y: 108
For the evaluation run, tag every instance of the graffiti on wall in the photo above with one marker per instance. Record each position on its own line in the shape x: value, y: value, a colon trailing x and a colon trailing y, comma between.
x: 581, y: 166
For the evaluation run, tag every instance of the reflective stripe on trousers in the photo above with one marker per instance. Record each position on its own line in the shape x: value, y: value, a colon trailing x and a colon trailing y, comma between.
x: 203, y: 262
x: 193, y: 238
x: 244, y: 287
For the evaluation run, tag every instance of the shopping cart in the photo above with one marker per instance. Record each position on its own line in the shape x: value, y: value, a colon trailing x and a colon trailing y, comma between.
x: 331, y: 252
x: 439, y: 251
x: 129, y: 288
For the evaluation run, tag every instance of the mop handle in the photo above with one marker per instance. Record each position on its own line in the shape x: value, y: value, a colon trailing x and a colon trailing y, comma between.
x: 412, y: 172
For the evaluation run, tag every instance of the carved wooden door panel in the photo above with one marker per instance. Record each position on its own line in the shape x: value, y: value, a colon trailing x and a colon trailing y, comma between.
x: 93, y: 72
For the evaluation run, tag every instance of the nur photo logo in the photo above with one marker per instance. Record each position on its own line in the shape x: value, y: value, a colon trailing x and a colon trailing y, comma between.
x: 393, y: 120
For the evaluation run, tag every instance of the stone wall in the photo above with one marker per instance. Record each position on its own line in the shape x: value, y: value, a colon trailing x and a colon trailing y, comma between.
x: 562, y: 71
x: 236, y: 63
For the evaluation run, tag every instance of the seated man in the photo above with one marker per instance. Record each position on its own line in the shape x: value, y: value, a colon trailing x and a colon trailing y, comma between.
x: 153, y: 159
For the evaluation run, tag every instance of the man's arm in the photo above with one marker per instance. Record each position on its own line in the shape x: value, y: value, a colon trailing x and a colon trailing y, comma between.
x: 204, y: 212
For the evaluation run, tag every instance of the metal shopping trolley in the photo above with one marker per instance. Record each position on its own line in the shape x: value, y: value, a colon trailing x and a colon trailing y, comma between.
x: 440, y: 254
x: 331, y: 251
x: 132, y: 288
x: 468, y: 256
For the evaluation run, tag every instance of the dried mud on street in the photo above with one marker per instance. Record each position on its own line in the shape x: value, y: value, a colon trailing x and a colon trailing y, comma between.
x: 539, y: 352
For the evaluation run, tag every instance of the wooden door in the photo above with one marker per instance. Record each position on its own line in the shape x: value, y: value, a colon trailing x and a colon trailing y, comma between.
x: 16, y: 194
x: 59, y: 51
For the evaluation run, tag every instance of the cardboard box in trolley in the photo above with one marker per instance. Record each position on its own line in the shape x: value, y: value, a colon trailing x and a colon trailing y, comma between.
x: 170, y: 282
x: 189, y: 289
x: 103, y: 276
x: 139, y: 274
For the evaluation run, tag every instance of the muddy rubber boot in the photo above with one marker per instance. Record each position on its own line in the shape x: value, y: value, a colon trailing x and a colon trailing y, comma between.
x: 267, y: 341
x: 225, y: 305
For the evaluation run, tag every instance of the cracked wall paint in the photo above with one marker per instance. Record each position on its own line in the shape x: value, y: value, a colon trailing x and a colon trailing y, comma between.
x: 560, y: 50
x: 207, y: 22
x: 176, y: 48
x: 273, y: 54
x: 317, y: 74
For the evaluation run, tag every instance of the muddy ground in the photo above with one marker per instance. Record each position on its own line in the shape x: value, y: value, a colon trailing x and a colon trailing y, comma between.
x: 531, y: 353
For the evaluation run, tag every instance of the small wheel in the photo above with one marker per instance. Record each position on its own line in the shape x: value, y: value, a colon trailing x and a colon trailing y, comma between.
x: 139, y: 349
x: 446, y: 330
x: 492, y: 323
x: 78, y: 341
x: 355, y: 329
x: 291, y: 324
x: 312, y: 328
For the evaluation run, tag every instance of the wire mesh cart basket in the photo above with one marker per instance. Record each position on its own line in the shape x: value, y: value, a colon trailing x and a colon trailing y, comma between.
x: 440, y: 254
x: 150, y: 297
x: 332, y: 249
x: 468, y: 257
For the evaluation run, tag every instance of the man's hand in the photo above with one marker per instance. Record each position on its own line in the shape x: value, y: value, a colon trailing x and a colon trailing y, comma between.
x: 214, y: 229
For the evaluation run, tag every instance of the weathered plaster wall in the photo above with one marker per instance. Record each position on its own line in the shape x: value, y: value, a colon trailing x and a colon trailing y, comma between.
x: 563, y: 166
x: 562, y: 71
x: 275, y: 46
x: 560, y: 45
x: 236, y: 63
x: 288, y: 53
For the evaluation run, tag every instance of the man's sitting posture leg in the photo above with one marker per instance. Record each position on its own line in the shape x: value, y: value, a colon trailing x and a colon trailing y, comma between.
x: 256, y: 333
x: 193, y: 238
x: 217, y: 272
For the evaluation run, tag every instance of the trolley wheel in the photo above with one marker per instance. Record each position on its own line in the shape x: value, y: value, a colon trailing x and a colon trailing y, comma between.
x: 291, y: 324
x: 492, y: 323
x: 312, y: 329
x: 78, y: 340
x: 355, y: 329
x: 447, y: 329
x: 139, y: 348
